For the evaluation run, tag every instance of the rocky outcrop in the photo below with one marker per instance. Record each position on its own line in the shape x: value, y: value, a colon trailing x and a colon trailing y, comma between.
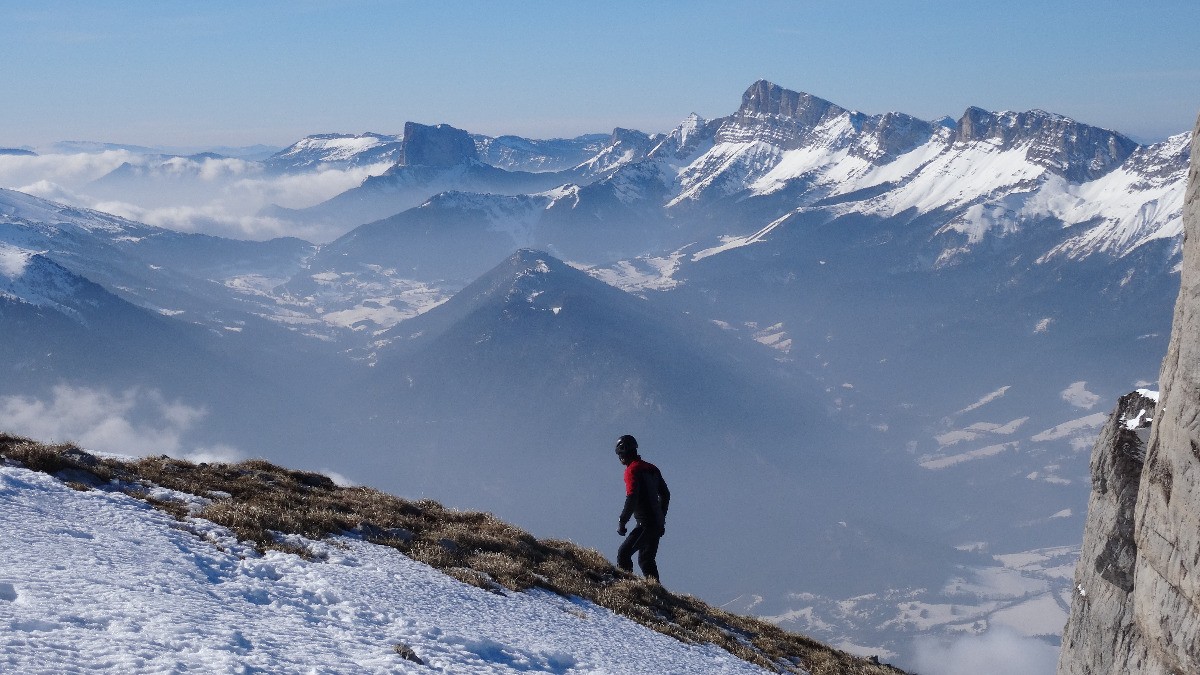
x: 1167, y: 586
x: 437, y: 146
x: 785, y: 119
x: 1075, y: 151
x: 1137, y: 606
x: 893, y: 134
x: 1100, y: 632
x: 768, y: 98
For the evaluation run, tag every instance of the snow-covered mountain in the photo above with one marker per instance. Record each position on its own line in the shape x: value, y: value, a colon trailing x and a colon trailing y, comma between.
x: 169, y: 272
x: 949, y: 298
x: 337, y: 151
x: 785, y: 154
x: 431, y: 159
x: 606, y: 355
x: 514, y: 153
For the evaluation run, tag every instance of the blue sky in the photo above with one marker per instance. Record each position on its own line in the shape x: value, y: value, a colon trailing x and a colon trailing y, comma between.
x: 213, y: 72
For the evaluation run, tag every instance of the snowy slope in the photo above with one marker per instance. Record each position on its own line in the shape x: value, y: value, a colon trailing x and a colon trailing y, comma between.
x: 31, y: 278
x: 514, y: 153
x: 1139, y: 202
x: 172, y: 273
x: 625, y: 146
x: 20, y: 208
x: 990, y: 174
x: 99, y: 582
x: 337, y: 150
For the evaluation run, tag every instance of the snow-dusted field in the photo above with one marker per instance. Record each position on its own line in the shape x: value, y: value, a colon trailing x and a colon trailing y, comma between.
x: 100, y: 582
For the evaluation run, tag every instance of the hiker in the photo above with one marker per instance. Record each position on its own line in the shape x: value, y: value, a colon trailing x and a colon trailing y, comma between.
x: 646, y: 499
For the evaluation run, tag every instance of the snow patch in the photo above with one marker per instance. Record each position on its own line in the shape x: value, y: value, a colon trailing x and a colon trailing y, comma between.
x: 646, y: 273
x: 729, y: 243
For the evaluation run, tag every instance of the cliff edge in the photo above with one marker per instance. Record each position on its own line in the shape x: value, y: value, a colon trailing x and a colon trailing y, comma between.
x: 1137, y: 603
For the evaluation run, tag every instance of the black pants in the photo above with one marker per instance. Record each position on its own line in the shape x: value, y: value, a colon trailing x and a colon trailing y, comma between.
x: 644, y: 540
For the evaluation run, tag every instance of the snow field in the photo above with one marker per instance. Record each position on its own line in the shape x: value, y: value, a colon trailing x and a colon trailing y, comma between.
x: 100, y: 582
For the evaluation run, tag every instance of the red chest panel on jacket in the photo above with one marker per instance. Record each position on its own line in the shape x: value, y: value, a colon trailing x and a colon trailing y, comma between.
x: 635, y: 467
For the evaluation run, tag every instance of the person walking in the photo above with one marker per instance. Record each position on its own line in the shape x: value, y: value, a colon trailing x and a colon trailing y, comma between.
x: 646, y: 500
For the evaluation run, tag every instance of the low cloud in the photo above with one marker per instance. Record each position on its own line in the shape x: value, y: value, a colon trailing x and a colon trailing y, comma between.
x: 217, y: 196
x: 1000, y: 651
x: 306, y: 189
x: 213, y: 219
x: 208, y: 169
x: 73, y: 171
x: 338, y: 479
x: 216, y: 453
x: 50, y: 191
x: 135, y: 422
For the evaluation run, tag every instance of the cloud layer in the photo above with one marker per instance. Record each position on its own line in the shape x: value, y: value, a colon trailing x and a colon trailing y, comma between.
x: 217, y: 196
x: 1000, y: 651
x: 135, y: 422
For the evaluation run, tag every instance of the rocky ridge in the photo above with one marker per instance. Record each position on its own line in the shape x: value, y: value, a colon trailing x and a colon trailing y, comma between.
x: 439, y: 146
x: 1137, y: 606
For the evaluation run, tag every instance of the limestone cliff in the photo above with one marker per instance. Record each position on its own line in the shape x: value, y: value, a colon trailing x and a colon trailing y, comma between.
x: 1137, y: 605
x: 1100, y: 634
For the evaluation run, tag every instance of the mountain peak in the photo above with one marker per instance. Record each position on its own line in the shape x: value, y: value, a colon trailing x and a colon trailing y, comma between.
x: 530, y: 256
x: 768, y: 98
x: 633, y: 137
x: 440, y: 146
x: 531, y: 267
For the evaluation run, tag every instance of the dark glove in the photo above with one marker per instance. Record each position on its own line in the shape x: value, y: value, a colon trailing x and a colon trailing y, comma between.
x: 622, y: 531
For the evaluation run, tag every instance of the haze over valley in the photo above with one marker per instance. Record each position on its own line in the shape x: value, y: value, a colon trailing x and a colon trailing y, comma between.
x: 870, y: 352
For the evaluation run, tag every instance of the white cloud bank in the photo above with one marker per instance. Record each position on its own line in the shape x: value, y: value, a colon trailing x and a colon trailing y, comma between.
x: 1000, y: 651
x: 73, y: 171
x: 217, y: 196
x: 134, y: 422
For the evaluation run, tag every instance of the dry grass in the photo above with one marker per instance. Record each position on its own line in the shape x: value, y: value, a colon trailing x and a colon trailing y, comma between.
x: 258, y: 500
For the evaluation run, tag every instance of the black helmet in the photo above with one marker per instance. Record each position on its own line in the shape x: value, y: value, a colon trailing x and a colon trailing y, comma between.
x: 627, y: 446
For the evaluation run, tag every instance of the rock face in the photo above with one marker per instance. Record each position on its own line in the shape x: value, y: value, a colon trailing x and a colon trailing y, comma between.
x: 1077, y: 152
x: 768, y: 98
x: 437, y: 146
x: 1100, y: 632
x: 1137, y: 606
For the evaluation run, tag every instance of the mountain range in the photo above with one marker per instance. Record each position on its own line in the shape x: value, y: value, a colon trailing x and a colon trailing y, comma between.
x: 866, y: 350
